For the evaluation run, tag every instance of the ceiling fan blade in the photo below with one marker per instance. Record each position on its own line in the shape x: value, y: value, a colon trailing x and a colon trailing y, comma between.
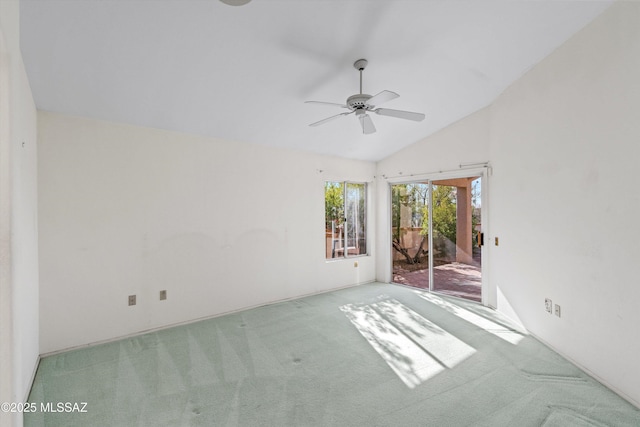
x: 328, y: 119
x: 408, y: 115
x: 326, y: 103
x: 367, y: 124
x: 382, y: 97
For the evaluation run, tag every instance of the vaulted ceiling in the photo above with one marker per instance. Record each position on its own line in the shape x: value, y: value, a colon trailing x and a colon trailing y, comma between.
x: 243, y: 73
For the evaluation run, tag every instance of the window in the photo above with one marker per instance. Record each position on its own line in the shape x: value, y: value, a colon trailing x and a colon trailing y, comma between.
x: 345, y: 219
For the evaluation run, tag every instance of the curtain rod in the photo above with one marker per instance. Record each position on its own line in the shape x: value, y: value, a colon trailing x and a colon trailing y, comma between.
x: 462, y: 166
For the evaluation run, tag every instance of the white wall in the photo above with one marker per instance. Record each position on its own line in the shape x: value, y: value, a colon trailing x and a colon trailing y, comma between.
x: 565, y: 200
x: 220, y: 225
x: 563, y: 142
x: 18, y: 220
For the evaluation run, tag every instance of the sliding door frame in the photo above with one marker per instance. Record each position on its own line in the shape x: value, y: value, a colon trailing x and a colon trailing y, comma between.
x: 488, y: 297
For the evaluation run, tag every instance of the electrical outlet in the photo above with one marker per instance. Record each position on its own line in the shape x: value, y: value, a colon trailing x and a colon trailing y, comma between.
x: 163, y: 295
x: 548, y: 305
x: 557, y: 310
x: 355, y: 264
x: 132, y: 300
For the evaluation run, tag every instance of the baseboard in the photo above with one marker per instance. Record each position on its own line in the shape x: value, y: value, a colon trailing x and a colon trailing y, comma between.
x: 590, y: 373
x: 33, y: 378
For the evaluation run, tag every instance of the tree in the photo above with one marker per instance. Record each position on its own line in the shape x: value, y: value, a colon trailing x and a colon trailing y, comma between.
x: 415, y: 197
x: 444, y: 215
x: 333, y: 203
x: 444, y: 212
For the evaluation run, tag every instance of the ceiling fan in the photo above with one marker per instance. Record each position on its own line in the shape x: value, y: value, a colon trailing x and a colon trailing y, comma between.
x: 361, y: 104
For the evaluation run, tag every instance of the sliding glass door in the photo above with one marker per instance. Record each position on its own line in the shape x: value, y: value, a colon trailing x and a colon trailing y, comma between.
x: 436, y: 236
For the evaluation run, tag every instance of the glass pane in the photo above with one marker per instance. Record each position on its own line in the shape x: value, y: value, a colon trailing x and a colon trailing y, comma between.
x: 456, y: 223
x: 409, y: 233
x: 334, y: 219
x: 444, y: 224
x: 355, y: 214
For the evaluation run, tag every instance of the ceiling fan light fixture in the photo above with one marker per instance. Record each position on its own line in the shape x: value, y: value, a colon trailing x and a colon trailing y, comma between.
x: 235, y: 2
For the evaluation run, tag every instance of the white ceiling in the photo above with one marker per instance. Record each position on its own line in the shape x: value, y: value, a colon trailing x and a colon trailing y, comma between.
x: 243, y: 73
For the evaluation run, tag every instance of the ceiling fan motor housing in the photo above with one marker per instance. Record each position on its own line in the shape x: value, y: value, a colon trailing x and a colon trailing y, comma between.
x: 358, y: 102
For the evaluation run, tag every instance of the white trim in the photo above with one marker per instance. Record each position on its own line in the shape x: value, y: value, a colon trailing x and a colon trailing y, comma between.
x: 387, y: 233
x: 430, y: 215
x: 33, y: 378
x: 489, y: 298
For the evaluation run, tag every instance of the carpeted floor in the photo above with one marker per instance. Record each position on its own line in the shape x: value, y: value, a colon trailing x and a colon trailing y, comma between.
x: 372, y: 355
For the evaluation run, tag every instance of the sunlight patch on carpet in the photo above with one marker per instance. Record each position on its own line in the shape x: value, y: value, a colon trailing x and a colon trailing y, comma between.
x: 490, y: 326
x: 415, y: 348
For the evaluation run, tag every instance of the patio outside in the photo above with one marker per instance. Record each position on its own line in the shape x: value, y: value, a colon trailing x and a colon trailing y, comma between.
x: 453, y: 278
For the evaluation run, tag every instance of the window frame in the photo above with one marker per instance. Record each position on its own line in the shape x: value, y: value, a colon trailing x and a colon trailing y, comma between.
x: 344, y: 239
